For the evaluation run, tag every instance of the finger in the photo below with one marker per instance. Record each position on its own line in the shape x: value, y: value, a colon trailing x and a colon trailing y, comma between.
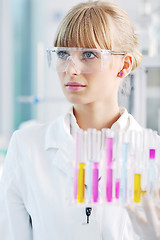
x: 134, y: 221
x: 140, y: 216
x: 158, y: 211
x: 149, y: 210
x: 136, y: 215
x: 130, y: 207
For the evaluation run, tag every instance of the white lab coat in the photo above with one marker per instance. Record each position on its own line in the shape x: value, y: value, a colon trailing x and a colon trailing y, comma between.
x: 36, y: 184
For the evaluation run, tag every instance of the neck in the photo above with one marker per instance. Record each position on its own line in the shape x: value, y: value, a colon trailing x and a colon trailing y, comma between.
x: 96, y: 115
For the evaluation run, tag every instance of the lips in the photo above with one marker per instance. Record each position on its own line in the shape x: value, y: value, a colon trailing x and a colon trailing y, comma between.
x: 74, y: 84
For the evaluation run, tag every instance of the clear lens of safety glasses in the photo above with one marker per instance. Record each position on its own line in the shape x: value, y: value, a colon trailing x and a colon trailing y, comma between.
x: 82, y: 60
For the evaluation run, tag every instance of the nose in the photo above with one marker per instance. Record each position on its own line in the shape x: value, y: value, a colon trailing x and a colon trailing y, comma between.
x: 71, y: 67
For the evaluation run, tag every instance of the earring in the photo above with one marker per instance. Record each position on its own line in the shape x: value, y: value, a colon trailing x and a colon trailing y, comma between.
x: 120, y: 74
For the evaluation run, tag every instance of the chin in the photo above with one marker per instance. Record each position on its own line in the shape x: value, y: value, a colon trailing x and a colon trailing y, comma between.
x: 75, y: 100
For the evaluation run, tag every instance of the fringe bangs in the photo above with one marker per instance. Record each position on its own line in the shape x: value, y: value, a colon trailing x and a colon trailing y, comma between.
x: 86, y: 29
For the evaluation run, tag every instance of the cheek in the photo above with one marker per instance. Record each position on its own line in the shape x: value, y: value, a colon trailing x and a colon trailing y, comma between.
x: 105, y: 82
x: 61, y: 77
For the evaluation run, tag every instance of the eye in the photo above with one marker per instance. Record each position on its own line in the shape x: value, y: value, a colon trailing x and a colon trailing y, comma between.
x: 89, y: 55
x: 62, y: 54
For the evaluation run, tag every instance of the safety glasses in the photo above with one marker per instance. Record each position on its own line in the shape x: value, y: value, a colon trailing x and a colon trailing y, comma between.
x: 83, y: 60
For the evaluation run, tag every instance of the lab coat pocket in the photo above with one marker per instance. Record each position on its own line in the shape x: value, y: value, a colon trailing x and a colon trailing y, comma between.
x: 78, y: 220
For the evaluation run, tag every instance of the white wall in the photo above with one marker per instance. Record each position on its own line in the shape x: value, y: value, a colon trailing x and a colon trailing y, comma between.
x: 6, y: 67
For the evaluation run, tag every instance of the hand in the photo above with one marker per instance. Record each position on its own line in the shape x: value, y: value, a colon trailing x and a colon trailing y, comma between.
x: 145, y: 219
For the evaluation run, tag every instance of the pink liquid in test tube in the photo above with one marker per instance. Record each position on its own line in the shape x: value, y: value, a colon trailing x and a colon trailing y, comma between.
x: 109, y: 185
x: 117, y: 188
x: 95, y: 182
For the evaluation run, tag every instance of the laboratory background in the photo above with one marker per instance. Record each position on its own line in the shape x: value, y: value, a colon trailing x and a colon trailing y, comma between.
x: 30, y: 92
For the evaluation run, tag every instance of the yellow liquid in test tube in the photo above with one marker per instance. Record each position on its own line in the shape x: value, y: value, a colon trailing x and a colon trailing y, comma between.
x: 137, y: 187
x: 81, y: 182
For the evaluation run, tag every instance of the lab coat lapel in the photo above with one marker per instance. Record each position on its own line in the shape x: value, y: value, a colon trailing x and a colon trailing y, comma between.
x: 64, y: 161
x: 60, y: 143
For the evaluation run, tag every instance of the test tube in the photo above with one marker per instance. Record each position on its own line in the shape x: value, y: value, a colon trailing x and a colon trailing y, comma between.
x: 95, y: 166
x: 131, y: 162
x: 154, y: 165
x: 117, y: 188
x: 124, y: 171
x: 137, y: 188
x: 88, y: 178
x: 95, y: 182
x: 117, y: 170
x: 138, y: 168
x: 81, y: 182
x: 145, y: 156
x: 152, y: 172
x: 81, y: 169
x: 102, y: 167
x: 109, y: 177
x: 75, y: 192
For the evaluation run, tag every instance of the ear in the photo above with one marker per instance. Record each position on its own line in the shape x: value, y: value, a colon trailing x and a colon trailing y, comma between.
x: 127, y: 63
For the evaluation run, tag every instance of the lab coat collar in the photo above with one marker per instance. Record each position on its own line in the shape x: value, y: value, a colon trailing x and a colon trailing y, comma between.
x: 59, y: 133
x: 122, y: 123
x: 126, y: 122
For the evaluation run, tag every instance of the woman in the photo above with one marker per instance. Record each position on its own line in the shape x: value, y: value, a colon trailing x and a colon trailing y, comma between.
x: 96, y: 49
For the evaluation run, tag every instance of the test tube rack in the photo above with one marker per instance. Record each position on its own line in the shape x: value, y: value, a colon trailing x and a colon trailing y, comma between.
x: 115, y: 166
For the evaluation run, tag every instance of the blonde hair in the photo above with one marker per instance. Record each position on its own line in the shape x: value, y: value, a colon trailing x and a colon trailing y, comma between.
x: 87, y: 25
